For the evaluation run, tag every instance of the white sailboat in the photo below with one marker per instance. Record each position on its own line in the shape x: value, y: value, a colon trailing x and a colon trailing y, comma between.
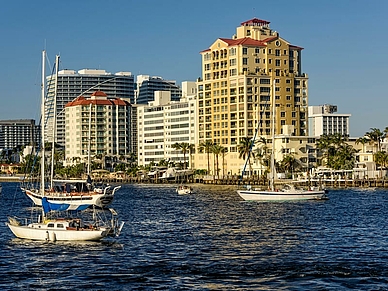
x: 73, y: 192
x: 50, y: 226
x: 286, y: 192
x: 55, y: 228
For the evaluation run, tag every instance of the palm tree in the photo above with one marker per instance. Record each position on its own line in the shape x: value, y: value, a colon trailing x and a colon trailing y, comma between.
x: 223, y: 152
x: 245, y: 151
x: 289, y: 163
x: 206, y: 145
x: 362, y: 140
x: 191, y: 152
x: 261, y: 152
x: 375, y: 136
x: 381, y: 159
x: 184, y: 147
x: 216, y: 149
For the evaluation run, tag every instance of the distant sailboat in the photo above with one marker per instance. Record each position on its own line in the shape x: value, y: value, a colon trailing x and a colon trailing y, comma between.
x: 287, y: 192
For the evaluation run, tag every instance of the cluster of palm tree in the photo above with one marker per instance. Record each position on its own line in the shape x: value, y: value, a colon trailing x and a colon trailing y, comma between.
x: 209, y: 147
x: 185, y: 148
x: 262, y: 154
x: 374, y: 137
x: 337, y: 153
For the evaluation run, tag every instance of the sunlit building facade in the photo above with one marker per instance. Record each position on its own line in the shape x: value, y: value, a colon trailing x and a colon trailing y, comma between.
x: 101, y: 121
x: 235, y: 92
x: 72, y: 84
x: 163, y: 122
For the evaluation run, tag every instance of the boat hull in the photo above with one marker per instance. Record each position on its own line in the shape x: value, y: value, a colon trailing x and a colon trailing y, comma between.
x: 100, y: 200
x: 256, y: 195
x: 29, y: 232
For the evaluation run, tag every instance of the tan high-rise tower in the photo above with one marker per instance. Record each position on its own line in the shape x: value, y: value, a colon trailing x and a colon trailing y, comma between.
x: 234, y: 94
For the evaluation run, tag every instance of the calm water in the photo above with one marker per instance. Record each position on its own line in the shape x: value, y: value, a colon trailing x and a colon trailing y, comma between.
x: 211, y: 240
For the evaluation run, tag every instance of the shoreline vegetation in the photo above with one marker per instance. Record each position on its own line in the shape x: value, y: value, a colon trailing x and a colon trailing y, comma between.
x: 234, y: 181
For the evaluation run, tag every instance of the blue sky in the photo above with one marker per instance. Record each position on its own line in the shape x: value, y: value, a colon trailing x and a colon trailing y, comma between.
x: 345, y: 45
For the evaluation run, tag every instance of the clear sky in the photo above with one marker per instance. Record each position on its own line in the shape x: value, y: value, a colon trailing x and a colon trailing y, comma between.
x: 345, y: 45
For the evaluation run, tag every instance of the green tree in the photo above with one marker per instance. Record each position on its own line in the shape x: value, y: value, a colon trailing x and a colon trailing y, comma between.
x: 289, y: 163
x: 375, y: 135
x: 245, y: 151
x: 381, y: 160
x: 184, y: 147
x: 216, y: 150
x: 223, y: 152
x: 206, y: 146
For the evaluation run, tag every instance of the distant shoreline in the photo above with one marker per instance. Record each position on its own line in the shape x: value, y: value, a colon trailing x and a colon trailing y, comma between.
x: 10, y: 179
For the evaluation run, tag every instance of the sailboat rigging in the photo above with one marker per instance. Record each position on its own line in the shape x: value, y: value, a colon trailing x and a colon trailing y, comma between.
x: 51, y: 225
x: 287, y: 192
x: 75, y: 193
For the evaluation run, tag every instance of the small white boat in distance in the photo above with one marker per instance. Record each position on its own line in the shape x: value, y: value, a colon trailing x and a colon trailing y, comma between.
x: 184, y: 189
x: 287, y: 193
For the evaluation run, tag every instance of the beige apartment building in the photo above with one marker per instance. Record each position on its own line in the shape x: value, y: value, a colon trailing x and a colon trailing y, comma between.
x: 102, y: 120
x: 235, y: 91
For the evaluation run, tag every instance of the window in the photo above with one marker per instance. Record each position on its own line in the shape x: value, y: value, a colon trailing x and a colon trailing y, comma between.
x: 265, y: 81
x: 245, y: 61
x: 277, y: 63
x: 277, y: 52
x: 233, y: 62
x: 245, y: 51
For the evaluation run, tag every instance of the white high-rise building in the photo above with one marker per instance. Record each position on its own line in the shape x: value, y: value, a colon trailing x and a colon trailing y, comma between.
x: 72, y: 84
x: 324, y: 121
x: 163, y: 122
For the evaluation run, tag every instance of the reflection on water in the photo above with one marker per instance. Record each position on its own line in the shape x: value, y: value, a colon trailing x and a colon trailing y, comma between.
x: 212, y: 240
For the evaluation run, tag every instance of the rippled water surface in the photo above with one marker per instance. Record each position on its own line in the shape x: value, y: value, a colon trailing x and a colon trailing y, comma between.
x: 210, y: 240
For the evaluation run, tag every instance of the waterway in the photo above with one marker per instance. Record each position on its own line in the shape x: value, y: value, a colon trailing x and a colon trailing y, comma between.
x: 210, y: 240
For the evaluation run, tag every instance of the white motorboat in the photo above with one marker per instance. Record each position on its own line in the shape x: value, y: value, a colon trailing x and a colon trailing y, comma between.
x: 184, y: 189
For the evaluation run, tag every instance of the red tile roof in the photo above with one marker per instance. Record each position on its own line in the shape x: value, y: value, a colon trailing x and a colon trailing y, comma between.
x: 243, y: 41
x: 296, y: 47
x: 255, y: 21
x: 81, y: 100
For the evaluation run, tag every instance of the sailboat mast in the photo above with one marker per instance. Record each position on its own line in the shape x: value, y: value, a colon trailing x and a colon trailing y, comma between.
x: 54, y: 124
x: 42, y: 108
x: 273, y: 138
x: 90, y: 136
